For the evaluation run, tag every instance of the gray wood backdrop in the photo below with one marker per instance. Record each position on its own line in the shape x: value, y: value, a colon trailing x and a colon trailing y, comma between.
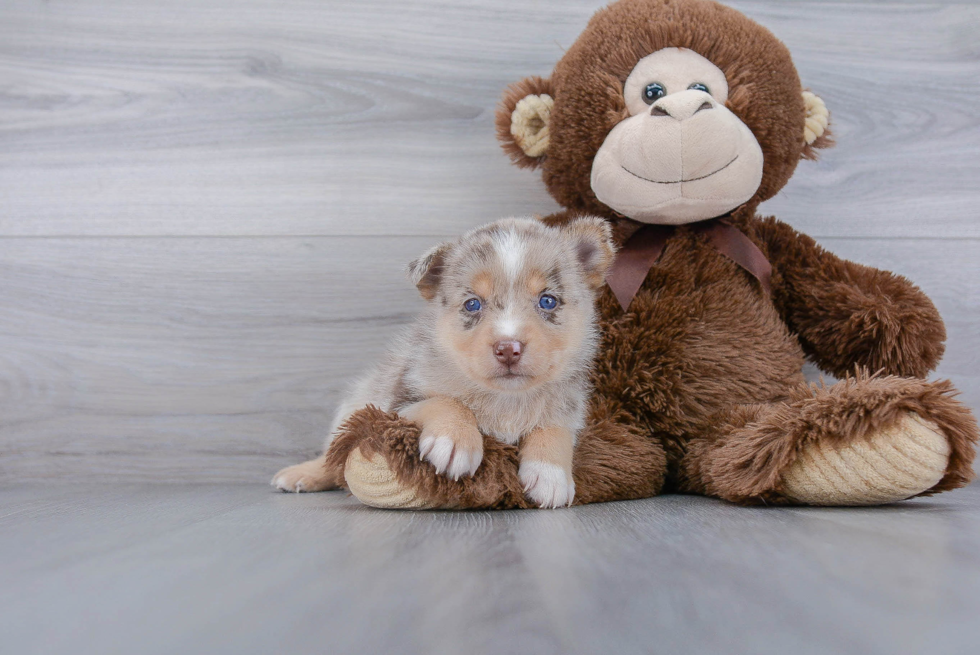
x: 206, y: 207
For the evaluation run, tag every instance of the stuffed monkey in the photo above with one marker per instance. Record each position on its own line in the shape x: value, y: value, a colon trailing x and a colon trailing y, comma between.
x: 673, y: 120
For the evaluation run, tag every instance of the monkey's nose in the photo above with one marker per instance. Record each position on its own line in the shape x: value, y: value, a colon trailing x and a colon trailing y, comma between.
x: 683, y: 105
x: 508, y: 352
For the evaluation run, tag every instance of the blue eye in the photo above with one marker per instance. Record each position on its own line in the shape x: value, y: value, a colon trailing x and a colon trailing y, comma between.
x: 697, y: 86
x: 472, y: 305
x: 653, y: 92
x: 547, y: 302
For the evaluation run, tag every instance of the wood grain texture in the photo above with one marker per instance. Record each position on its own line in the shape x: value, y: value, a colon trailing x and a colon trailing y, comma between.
x: 240, y: 569
x: 339, y: 118
x: 187, y: 354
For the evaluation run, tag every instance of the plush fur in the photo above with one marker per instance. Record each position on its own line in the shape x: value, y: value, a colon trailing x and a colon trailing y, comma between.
x: 611, y: 463
x: 698, y: 387
x: 764, y: 88
x: 756, y: 443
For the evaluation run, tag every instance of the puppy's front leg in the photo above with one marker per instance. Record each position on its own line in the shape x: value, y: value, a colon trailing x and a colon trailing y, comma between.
x: 546, y: 466
x: 450, y: 439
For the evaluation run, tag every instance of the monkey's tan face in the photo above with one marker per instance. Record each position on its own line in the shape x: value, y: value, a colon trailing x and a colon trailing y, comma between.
x: 681, y: 156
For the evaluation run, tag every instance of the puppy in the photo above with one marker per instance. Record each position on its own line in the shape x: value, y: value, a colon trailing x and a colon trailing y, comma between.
x: 503, y: 348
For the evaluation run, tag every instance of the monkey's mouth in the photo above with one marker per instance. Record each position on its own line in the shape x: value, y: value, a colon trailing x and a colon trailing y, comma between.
x: 693, y: 179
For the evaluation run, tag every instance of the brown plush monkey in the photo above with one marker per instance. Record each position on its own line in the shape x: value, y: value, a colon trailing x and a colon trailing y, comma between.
x: 673, y: 120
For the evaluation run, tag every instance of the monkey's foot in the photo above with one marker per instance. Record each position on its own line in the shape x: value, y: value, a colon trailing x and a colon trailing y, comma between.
x: 892, y: 464
x: 373, y: 483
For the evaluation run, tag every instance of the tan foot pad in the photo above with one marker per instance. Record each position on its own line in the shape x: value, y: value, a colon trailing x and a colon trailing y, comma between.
x: 893, y: 464
x: 374, y: 484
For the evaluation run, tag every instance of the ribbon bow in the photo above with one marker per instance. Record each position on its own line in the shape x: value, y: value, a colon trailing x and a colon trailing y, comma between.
x: 642, y: 250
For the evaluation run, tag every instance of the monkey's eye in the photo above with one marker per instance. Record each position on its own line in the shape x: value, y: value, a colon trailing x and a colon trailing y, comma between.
x: 472, y: 305
x: 653, y: 92
x: 547, y: 302
x: 697, y: 86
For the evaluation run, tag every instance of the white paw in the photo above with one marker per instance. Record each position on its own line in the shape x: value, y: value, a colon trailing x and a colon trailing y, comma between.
x: 547, y: 484
x: 287, y: 480
x: 450, y: 457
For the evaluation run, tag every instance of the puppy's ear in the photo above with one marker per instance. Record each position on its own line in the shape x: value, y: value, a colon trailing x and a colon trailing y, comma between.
x: 594, y: 249
x: 523, y: 117
x: 426, y: 271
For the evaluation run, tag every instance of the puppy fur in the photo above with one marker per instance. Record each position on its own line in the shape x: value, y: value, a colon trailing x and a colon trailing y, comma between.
x: 504, y: 348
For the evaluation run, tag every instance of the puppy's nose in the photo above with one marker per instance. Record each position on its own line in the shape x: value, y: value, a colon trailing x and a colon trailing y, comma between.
x: 508, y: 352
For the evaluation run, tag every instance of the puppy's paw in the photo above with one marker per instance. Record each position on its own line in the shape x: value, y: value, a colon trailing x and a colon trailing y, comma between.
x: 547, y: 484
x: 308, y: 476
x: 455, y: 453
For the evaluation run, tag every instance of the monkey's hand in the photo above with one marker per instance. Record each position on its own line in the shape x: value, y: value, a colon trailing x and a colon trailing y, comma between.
x: 847, y: 315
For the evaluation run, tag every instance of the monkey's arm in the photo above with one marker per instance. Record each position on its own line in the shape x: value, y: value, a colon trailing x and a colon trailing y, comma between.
x: 847, y: 314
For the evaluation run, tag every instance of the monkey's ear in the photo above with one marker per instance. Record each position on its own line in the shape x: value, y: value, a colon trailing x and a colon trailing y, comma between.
x: 594, y: 247
x: 522, y: 120
x: 426, y: 271
x: 816, y: 131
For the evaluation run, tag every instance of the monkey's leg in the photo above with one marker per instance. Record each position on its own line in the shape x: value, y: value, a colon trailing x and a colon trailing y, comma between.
x: 379, y: 453
x: 613, y: 461
x: 380, y: 457
x: 863, y: 441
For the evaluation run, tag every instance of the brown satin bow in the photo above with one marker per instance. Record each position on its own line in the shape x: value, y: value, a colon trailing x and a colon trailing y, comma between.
x: 642, y: 250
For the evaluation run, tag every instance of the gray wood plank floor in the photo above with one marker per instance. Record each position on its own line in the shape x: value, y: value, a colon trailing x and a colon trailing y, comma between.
x: 242, y: 569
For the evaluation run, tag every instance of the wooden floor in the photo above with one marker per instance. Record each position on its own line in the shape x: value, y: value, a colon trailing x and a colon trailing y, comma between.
x: 242, y: 569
